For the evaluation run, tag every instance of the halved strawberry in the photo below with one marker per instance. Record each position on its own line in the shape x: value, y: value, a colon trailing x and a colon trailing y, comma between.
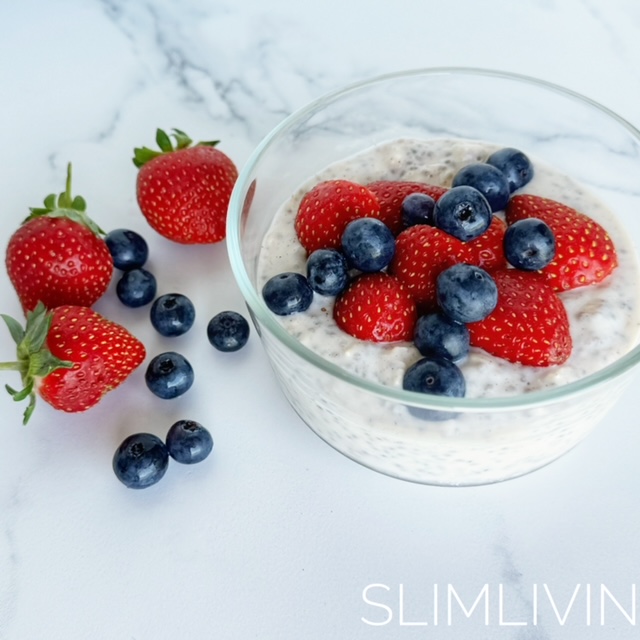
x: 391, y: 193
x: 328, y: 208
x: 422, y: 252
x: 376, y: 307
x: 528, y: 326
x: 585, y: 253
x: 71, y: 356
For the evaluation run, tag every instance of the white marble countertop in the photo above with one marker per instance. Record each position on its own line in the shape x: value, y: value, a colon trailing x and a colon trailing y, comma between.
x: 277, y: 536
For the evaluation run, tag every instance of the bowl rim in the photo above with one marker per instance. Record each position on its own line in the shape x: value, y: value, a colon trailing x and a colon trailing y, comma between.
x: 267, y: 320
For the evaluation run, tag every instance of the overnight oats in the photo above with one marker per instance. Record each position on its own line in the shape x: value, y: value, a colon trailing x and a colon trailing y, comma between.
x: 464, y: 270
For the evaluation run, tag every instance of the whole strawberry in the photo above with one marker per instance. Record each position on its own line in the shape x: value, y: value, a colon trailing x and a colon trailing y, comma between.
x: 71, y: 356
x: 58, y: 256
x: 585, y: 254
x: 184, y: 191
x: 529, y: 324
x: 376, y: 307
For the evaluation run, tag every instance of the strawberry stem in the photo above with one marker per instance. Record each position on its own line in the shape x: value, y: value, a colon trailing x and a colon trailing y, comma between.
x: 34, y: 360
x: 142, y: 155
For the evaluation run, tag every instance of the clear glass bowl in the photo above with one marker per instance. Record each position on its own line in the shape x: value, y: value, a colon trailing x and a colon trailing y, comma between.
x: 487, y: 440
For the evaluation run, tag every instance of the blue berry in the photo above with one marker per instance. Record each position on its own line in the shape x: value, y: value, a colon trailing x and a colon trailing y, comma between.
x: 463, y: 212
x: 128, y: 249
x: 169, y: 375
x: 437, y: 334
x: 488, y: 180
x: 287, y: 293
x: 466, y: 293
x: 189, y: 442
x: 136, y: 287
x: 327, y: 272
x: 417, y: 208
x: 141, y: 460
x: 529, y: 244
x: 435, y: 376
x: 368, y: 244
x: 515, y: 166
x: 228, y: 331
x: 172, y: 314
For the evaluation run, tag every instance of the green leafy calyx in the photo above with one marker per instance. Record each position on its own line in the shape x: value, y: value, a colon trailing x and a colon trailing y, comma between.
x: 64, y: 205
x: 142, y: 155
x: 34, y: 361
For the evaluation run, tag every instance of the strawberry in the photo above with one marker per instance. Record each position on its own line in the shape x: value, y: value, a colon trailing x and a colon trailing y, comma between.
x: 528, y: 326
x: 71, y: 356
x: 58, y: 255
x: 328, y: 208
x: 391, y: 193
x: 584, y: 251
x: 423, y: 251
x: 376, y: 307
x: 184, y: 191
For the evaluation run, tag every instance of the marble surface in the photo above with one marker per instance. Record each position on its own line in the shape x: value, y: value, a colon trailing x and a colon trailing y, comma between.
x: 277, y: 536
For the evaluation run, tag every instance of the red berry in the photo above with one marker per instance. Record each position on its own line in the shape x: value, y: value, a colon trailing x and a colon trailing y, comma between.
x: 422, y: 252
x: 328, y: 208
x: 528, y: 326
x: 585, y: 253
x: 184, y: 192
x: 391, y: 193
x: 376, y: 307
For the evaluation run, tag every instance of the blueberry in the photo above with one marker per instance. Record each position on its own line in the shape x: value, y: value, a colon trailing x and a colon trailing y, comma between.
x: 136, y: 287
x: 488, y: 180
x: 141, y: 460
x: 435, y: 376
x: 463, y: 212
x: 437, y: 334
x: 128, y: 249
x: 327, y: 272
x: 189, y: 442
x: 514, y: 164
x: 228, y: 331
x: 169, y: 375
x: 172, y: 314
x: 368, y: 244
x: 529, y: 244
x: 287, y: 293
x: 417, y: 208
x: 466, y: 293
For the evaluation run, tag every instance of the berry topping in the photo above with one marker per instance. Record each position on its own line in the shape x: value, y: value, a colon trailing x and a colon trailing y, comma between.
x: 327, y: 209
x: 368, y: 244
x: 189, y: 442
x: 327, y: 272
x: 391, y: 195
x: 529, y: 324
x: 169, y: 375
x: 228, y: 331
x: 140, y: 461
x: 376, y: 307
x: 515, y: 166
x: 417, y: 208
x: 136, y: 288
x: 287, y: 293
x: 488, y: 180
x: 529, y: 244
x: 422, y: 252
x: 172, y: 314
x: 463, y: 212
x: 585, y: 253
x: 466, y: 293
x: 128, y: 249
x: 438, y: 335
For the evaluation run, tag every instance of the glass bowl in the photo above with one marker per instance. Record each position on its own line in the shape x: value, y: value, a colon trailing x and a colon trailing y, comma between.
x: 485, y: 440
